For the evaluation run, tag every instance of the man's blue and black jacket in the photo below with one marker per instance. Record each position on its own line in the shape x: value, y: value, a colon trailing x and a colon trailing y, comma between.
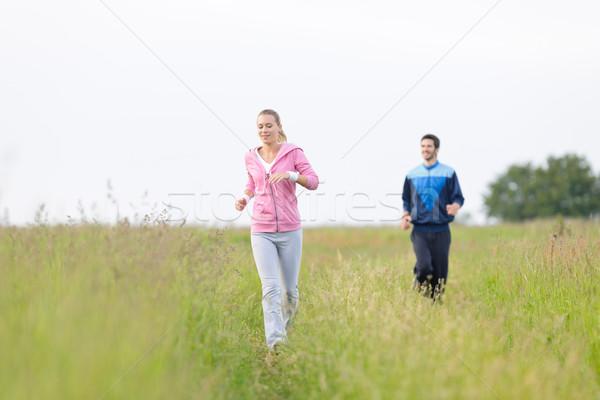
x: 427, y: 191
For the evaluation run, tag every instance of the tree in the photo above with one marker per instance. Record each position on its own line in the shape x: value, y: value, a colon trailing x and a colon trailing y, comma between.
x: 566, y: 186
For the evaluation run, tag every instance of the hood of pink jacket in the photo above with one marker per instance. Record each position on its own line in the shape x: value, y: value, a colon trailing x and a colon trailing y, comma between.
x: 275, y: 205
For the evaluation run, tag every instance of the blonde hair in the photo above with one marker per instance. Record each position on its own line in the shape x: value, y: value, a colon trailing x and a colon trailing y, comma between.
x: 281, y: 137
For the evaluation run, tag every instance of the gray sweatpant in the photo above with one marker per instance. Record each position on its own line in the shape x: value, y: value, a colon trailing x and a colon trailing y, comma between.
x: 277, y: 256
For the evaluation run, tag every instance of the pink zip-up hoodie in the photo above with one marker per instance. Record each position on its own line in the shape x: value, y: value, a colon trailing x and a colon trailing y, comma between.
x: 275, y: 205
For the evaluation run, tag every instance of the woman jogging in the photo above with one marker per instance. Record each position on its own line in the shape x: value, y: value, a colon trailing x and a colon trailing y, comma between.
x: 276, y: 234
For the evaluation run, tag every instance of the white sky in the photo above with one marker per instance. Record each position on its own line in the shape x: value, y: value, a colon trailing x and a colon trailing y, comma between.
x: 83, y: 101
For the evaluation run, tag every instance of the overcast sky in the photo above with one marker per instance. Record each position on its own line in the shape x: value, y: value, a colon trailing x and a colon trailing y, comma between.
x: 161, y: 97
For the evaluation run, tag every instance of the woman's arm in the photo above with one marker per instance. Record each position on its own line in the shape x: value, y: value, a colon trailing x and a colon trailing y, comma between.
x: 307, y: 176
x: 242, y: 202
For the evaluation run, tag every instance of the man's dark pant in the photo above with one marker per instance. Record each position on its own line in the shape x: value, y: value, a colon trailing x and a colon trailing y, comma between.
x: 431, y: 249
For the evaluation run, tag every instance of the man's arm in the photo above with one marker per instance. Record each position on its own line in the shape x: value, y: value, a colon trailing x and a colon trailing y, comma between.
x: 456, y: 197
x: 406, y: 218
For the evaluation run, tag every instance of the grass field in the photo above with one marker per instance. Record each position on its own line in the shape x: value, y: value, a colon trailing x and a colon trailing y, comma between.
x: 96, y: 312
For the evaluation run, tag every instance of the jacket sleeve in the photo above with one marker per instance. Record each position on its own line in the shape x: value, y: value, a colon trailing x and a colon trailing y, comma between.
x: 250, y: 184
x: 304, y: 168
x: 406, y: 195
x: 455, y: 192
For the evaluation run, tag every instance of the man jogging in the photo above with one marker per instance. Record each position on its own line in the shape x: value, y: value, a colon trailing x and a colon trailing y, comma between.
x: 432, y: 197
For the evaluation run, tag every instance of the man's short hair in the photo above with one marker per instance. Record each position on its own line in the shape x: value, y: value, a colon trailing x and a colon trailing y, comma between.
x: 436, y: 141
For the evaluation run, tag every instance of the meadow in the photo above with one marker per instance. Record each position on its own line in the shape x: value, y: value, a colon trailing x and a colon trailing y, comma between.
x: 154, y: 312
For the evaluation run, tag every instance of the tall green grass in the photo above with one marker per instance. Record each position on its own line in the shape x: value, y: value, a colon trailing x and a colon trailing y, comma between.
x: 162, y: 312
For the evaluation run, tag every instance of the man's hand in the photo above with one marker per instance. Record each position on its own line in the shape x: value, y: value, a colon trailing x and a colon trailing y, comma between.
x: 452, y: 209
x: 405, y: 224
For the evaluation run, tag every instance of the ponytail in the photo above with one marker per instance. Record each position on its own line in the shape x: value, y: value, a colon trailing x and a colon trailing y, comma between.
x: 281, y: 137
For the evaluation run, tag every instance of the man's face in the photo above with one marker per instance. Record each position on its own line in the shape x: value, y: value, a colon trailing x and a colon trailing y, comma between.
x: 428, y: 150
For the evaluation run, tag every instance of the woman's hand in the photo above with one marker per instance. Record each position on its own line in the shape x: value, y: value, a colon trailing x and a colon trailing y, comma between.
x: 278, y: 176
x: 240, y: 204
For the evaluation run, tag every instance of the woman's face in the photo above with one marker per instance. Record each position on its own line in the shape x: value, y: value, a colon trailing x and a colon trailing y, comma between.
x: 268, y: 130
